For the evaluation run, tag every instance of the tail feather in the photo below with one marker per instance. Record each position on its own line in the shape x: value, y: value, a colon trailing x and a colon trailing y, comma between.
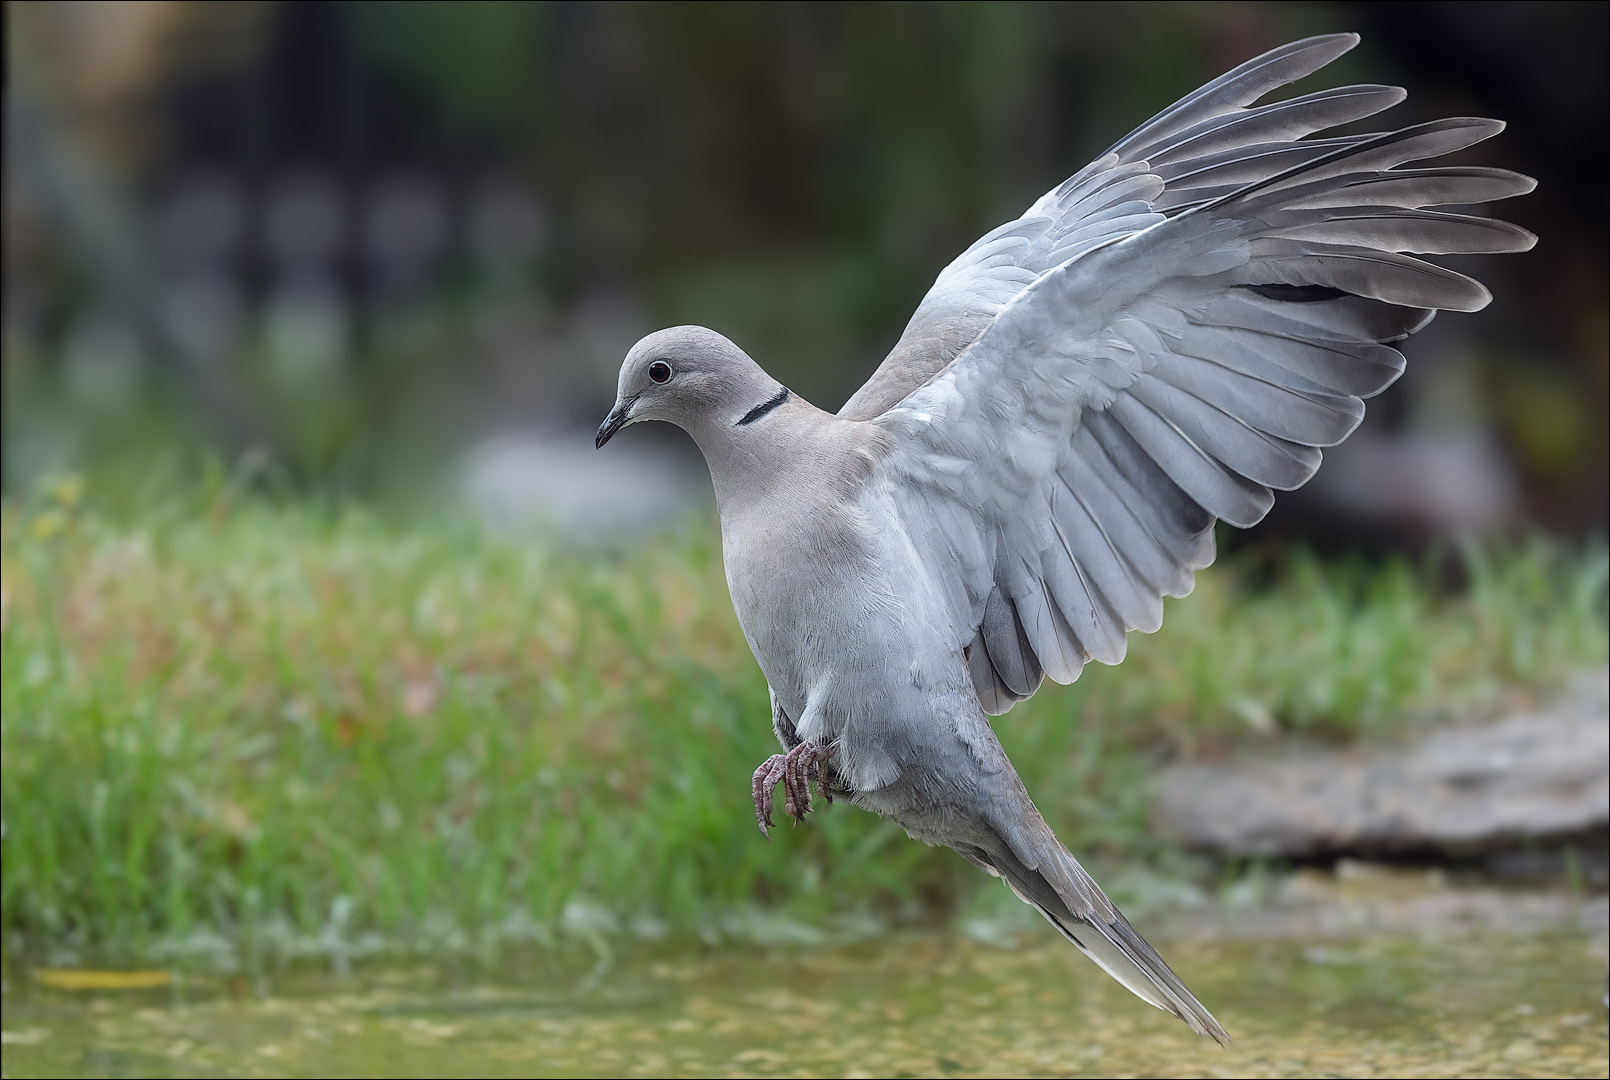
x: 1060, y: 889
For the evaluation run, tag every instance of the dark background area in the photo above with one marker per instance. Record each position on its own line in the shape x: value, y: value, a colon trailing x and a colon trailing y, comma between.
x: 397, y: 251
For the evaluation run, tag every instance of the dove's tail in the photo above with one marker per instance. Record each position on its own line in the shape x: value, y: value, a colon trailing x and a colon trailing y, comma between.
x: 1051, y: 880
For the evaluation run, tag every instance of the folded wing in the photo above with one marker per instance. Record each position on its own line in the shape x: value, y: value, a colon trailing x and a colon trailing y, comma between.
x: 1161, y: 342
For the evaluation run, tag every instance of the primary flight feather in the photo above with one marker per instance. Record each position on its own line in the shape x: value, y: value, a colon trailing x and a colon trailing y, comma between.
x: 1162, y: 341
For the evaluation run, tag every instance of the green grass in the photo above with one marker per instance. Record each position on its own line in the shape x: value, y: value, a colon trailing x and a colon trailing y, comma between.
x: 257, y: 724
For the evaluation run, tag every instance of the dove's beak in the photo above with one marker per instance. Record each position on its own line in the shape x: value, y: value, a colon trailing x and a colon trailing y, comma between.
x: 618, y: 418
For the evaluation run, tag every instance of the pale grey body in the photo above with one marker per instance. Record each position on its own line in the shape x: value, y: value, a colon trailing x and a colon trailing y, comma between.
x: 1156, y: 345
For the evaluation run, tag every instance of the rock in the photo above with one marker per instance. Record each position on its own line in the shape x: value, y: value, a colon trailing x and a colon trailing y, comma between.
x: 1357, y: 900
x: 1524, y: 780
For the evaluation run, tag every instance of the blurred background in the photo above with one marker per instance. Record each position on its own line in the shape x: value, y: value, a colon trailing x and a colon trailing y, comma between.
x: 311, y: 311
x: 398, y: 251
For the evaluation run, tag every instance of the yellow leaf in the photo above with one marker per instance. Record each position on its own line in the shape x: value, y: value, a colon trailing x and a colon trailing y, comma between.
x: 48, y: 524
x: 68, y: 490
x: 78, y: 979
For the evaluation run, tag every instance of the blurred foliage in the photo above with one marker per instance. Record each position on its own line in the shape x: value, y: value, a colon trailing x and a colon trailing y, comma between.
x: 247, y: 726
x: 793, y: 174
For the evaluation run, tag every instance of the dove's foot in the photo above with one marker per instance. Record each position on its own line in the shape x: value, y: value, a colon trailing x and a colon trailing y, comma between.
x: 796, y: 769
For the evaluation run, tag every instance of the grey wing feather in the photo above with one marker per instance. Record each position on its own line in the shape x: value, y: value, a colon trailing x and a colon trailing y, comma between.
x: 1163, y: 341
x: 1207, y: 138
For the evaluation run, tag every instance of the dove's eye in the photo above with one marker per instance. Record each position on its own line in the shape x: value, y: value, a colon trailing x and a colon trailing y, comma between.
x: 659, y: 371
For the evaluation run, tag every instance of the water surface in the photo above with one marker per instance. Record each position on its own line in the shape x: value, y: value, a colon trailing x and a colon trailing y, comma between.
x: 944, y: 1006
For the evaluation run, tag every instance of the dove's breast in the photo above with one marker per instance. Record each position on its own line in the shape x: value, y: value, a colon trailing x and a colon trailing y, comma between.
x: 830, y: 599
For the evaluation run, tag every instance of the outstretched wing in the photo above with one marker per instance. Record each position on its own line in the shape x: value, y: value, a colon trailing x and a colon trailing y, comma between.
x: 1205, y: 144
x: 1207, y: 329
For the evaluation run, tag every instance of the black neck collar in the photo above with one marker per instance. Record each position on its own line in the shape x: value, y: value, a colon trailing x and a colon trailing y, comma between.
x: 764, y: 407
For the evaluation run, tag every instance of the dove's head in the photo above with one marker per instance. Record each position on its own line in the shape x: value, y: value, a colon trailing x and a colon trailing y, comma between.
x: 691, y: 377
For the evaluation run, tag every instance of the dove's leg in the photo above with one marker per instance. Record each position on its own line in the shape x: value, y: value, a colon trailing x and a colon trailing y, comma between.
x: 796, y: 769
x: 771, y: 770
x: 783, y: 725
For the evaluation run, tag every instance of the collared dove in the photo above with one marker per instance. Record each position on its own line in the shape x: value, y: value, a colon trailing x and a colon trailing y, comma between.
x: 1162, y: 341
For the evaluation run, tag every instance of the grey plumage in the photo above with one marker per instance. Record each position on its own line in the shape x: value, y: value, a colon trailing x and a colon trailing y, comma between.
x: 1160, y: 342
